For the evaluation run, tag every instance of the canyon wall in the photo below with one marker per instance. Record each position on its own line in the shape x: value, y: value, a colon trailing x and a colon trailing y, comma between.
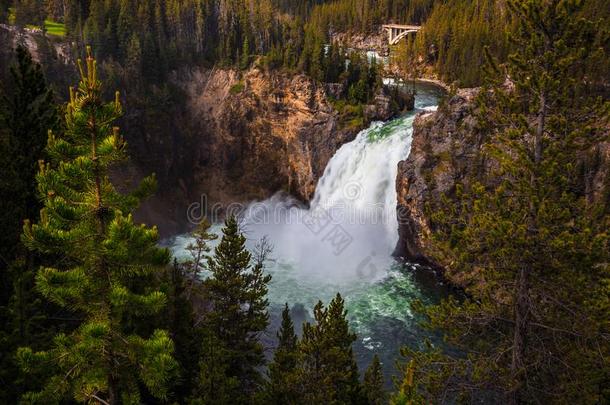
x: 255, y: 133
x: 445, y: 151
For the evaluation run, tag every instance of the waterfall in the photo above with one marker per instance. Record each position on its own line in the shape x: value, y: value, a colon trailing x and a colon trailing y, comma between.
x: 343, y: 241
x: 347, y: 234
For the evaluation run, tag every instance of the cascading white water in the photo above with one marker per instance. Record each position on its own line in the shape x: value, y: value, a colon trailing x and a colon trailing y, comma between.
x: 348, y: 233
x: 344, y: 240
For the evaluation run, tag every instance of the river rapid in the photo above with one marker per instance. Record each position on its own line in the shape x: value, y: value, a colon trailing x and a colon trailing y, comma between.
x: 343, y: 242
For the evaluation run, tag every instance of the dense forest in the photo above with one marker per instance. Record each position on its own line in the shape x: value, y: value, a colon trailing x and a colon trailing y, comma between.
x: 93, y: 310
x: 146, y: 40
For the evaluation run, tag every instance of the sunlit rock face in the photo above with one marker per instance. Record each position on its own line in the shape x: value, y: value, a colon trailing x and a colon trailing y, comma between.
x: 255, y: 133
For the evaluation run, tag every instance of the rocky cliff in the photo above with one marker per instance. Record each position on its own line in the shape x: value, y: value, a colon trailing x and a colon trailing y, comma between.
x: 256, y: 133
x: 376, y: 41
x: 445, y: 150
x: 53, y: 53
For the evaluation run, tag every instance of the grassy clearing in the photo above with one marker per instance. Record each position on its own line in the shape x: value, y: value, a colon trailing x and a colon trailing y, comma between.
x: 55, y: 28
x: 52, y: 27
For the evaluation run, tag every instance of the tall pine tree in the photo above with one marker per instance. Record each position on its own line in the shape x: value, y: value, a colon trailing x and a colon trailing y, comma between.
x: 329, y: 373
x: 372, y: 384
x: 107, y: 268
x: 236, y: 292
x: 282, y: 386
x: 536, y: 243
x: 27, y: 112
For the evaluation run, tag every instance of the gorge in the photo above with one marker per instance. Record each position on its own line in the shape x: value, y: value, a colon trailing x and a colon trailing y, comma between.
x: 344, y: 240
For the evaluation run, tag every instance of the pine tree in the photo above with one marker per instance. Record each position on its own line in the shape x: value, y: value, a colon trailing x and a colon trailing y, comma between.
x: 407, y: 392
x: 198, y: 250
x: 329, y: 373
x: 245, y: 55
x: 535, y: 242
x: 216, y: 383
x: 184, y: 287
x: 27, y: 112
x: 236, y: 292
x: 372, y: 385
x: 108, y: 266
x: 181, y: 322
x: 282, y: 386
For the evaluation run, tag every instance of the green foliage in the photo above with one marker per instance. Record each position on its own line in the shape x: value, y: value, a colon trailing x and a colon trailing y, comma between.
x: 27, y: 112
x: 283, y: 383
x: 55, y: 28
x: 237, y: 88
x: 372, y: 384
x: 236, y: 292
x: 534, y: 246
x: 245, y: 55
x: 107, y: 268
x: 328, y: 370
x: 407, y: 391
x: 216, y: 383
x: 28, y: 12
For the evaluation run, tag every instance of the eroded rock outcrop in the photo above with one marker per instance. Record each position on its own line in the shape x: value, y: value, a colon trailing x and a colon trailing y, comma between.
x: 446, y: 150
x: 441, y: 152
x: 257, y: 133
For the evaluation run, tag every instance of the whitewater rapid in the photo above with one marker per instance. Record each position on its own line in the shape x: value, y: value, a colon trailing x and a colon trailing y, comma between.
x: 344, y: 240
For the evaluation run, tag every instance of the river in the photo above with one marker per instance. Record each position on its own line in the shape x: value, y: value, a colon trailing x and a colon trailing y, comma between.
x: 344, y: 241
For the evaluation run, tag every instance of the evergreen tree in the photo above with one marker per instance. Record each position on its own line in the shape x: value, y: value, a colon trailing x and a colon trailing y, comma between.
x: 180, y: 321
x: 184, y: 288
x: 216, y: 383
x: 198, y: 250
x: 245, y: 55
x: 108, y: 266
x: 329, y: 373
x: 29, y: 12
x: 407, y: 392
x: 282, y: 387
x: 535, y: 242
x: 236, y: 292
x: 27, y: 112
x: 372, y: 385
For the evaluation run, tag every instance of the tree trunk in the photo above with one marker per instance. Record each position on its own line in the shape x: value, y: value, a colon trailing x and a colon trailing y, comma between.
x: 113, y: 391
x: 522, y: 287
x: 522, y: 313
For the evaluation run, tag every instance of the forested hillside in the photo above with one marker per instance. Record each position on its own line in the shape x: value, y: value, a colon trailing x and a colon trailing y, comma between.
x: 153, y: 38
